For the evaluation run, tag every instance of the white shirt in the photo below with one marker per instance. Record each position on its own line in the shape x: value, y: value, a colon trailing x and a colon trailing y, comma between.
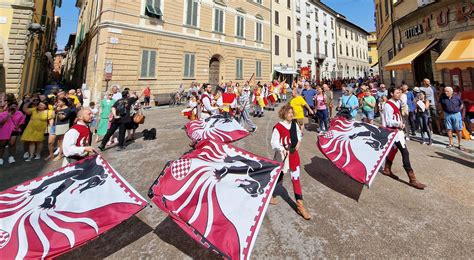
x: 275, y: 142
x: 390, y: 119
x: 207, y: 103
x: 117, y: 96
x: 69, y: 143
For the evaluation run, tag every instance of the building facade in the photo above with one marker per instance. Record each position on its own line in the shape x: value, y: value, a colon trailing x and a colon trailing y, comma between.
x: 353, y: 60
x: 162, y: 44
x: 315, y: 37
x: 26, y: 37
x: 283, y: 44
x: 373, y: 54
x: 434, y: 40
x: 385, y: 37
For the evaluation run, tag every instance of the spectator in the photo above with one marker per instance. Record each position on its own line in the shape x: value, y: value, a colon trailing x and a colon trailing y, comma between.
x: 430, y: 95
x: 368, y: 107
x: 329, y: 98
x: 298, y: 103
x: 93, y: 123
x: 80, y: 96
x: 132, y: 126
x: 422, y: 116
x: 147, y: 96
x: 10, y: 121
x: 452, y: 107
x: 116, y: 95
x: 349, y: 101
x: 41, y: 119
x: 105, y: 110
x: 59, y: 127
x: 322, y: 109
x: 411, y: 102
x: 308, y: 93
x: 121, y: 117
x: 72, y: 95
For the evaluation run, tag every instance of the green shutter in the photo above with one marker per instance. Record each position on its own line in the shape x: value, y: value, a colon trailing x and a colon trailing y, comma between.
x: 152, y: 64
x: 191, y: 69
x: 144, y: 67
x: 189, y: 12
x: 186, y: 65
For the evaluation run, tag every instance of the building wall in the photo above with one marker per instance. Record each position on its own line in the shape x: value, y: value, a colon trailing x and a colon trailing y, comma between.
x: 385, y: 43
x: 285, y: 34
x: 373, y: 53
x: 124, y: 32
x: 352, y: 50
x: 321, y: 32
x: 407, y: 15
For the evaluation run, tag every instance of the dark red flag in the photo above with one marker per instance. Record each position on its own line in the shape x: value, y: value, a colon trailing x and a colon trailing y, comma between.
x: 216, y: 128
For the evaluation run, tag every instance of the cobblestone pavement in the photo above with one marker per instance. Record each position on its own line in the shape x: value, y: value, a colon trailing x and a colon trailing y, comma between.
x: 390, y: 219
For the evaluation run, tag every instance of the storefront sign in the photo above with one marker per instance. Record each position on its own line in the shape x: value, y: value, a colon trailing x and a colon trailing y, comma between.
x: 414, y: 31
x: 464, y: 12
x: 305, y: 72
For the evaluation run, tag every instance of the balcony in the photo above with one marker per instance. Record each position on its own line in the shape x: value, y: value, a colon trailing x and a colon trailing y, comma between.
x: 320, y: 57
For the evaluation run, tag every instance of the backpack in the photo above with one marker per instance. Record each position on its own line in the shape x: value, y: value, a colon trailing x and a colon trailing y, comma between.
x: 121, y: 108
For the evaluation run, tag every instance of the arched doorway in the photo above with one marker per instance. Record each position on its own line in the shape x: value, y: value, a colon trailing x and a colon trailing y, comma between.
x: 214, y: 69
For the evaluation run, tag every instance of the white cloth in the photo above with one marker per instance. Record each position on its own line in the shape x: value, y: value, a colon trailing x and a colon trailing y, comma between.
x: 206, y: 101
x: 117, y: 96
x: 69, y: 144
x: 391, y: 120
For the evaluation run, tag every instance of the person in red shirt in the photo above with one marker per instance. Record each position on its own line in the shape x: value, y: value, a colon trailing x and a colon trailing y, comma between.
x: 77, y: 140
x: 147, y: 96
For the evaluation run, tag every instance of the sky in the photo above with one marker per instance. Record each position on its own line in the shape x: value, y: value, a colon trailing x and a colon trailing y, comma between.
x: 360, y: 12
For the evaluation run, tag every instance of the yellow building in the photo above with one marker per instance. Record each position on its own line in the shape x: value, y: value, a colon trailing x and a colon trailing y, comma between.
x: 165, y: 43
x: 373, y: 54
x: 385, y: 37
x: 27, y: 29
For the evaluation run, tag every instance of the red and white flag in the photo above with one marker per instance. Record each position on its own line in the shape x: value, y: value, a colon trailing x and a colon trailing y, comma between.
x: 217, y: 128
x: 218, y: 194
x: 50, y: 215
x: 357, y: 148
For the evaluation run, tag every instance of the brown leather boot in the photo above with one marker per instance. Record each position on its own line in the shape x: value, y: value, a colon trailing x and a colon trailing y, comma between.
x: 387, y: 170
x: 413, y: 182
x: 300, y: 209
x: 273, y: 201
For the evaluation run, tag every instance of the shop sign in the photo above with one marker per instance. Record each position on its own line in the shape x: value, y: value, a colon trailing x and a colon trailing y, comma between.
x: 464, y: 10
x: 414, y: 31
x: 305, y: 72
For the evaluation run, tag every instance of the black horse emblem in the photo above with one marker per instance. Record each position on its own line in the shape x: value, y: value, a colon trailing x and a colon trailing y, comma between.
x: 218, y: 118
x: 89, y: 172
x: 257, y: 173
x: 378, y: 137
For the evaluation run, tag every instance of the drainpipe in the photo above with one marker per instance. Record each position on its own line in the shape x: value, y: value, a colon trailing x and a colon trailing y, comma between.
x: 393, y: 38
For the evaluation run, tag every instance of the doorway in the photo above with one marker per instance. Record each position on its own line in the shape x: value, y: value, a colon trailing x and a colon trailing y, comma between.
x: 214, y: 70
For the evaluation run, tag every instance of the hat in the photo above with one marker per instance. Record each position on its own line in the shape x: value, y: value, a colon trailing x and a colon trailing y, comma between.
x: 416, y: 89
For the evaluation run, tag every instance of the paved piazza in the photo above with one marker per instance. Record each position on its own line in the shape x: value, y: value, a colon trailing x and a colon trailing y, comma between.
x: 391, y: 219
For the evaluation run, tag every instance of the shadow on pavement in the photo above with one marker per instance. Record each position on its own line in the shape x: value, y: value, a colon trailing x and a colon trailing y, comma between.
x: 171, y: 233
x: 121, y: 236
x: 282, y: 192
x: 329, y: 175
x: 454, y: 159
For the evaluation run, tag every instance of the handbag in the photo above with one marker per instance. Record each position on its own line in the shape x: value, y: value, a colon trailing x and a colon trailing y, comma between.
x: 345, y: 111
x: 139, y: 118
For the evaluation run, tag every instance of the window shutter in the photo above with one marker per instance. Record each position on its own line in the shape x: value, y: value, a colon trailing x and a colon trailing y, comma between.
x: 216, y: 20
x: 189, y: 12
x: 289, y: 48
x: 186, y: 65
x: 191, y: 65
x: 277, y: 45
x: 144, y: 68
x: 195, y: 12
x: 152, y: 66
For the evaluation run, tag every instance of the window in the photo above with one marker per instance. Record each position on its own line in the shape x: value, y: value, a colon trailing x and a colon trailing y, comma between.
x: 288, y: 23
x: 357, y: 53
x: 148, y: 65
x: 316, y: 18
x: 298, y: 21
x: 288, y: 4
x: 347, y: 50
x: 390, y: 54
x: 380, y: 16
x: 339, y: 28
x: 259, y: 1
x: 189, y: 61
x: 332, y: 35
x: 258, y: 69
x: 326, y: 49
x: 332, y: 23
x: 218, y: 20
x: 298, y: 42
x: 352, y: 35
x: 298, y: 9
x: 258, y: 31
x: 340, y: 49
x: 386, y: 7
x: 308, y: 44
x: 277, y: 18
x: 308, y: 25
x: 325, y: 32
x: 239, y: 67
x: 370, y: 48
x: 277, y: 45
x: 352, y: 51
x: 345, y: 29
x: 153, y: 8
x: 288, y: 45
x: 240, y: 26
x: 308, y: 12
x: 370, y: 59
x: 333, y: 51
x: 192, y: 12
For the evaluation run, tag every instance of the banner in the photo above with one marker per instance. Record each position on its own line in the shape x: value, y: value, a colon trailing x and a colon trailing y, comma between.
x: 357, y: 148
x: 218, y: 194
x: 217, y: 127
x: 50, y: 215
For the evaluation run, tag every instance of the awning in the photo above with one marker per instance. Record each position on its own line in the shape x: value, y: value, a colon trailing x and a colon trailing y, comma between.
x: 287, y: 71
x: 404, y: 59
x: 459, y: 53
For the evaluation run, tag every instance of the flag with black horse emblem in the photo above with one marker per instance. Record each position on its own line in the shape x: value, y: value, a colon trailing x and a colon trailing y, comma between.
x: 356, y: 148
x: 52, y: 214
x: 217, y: 128
x: 218, y: 194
